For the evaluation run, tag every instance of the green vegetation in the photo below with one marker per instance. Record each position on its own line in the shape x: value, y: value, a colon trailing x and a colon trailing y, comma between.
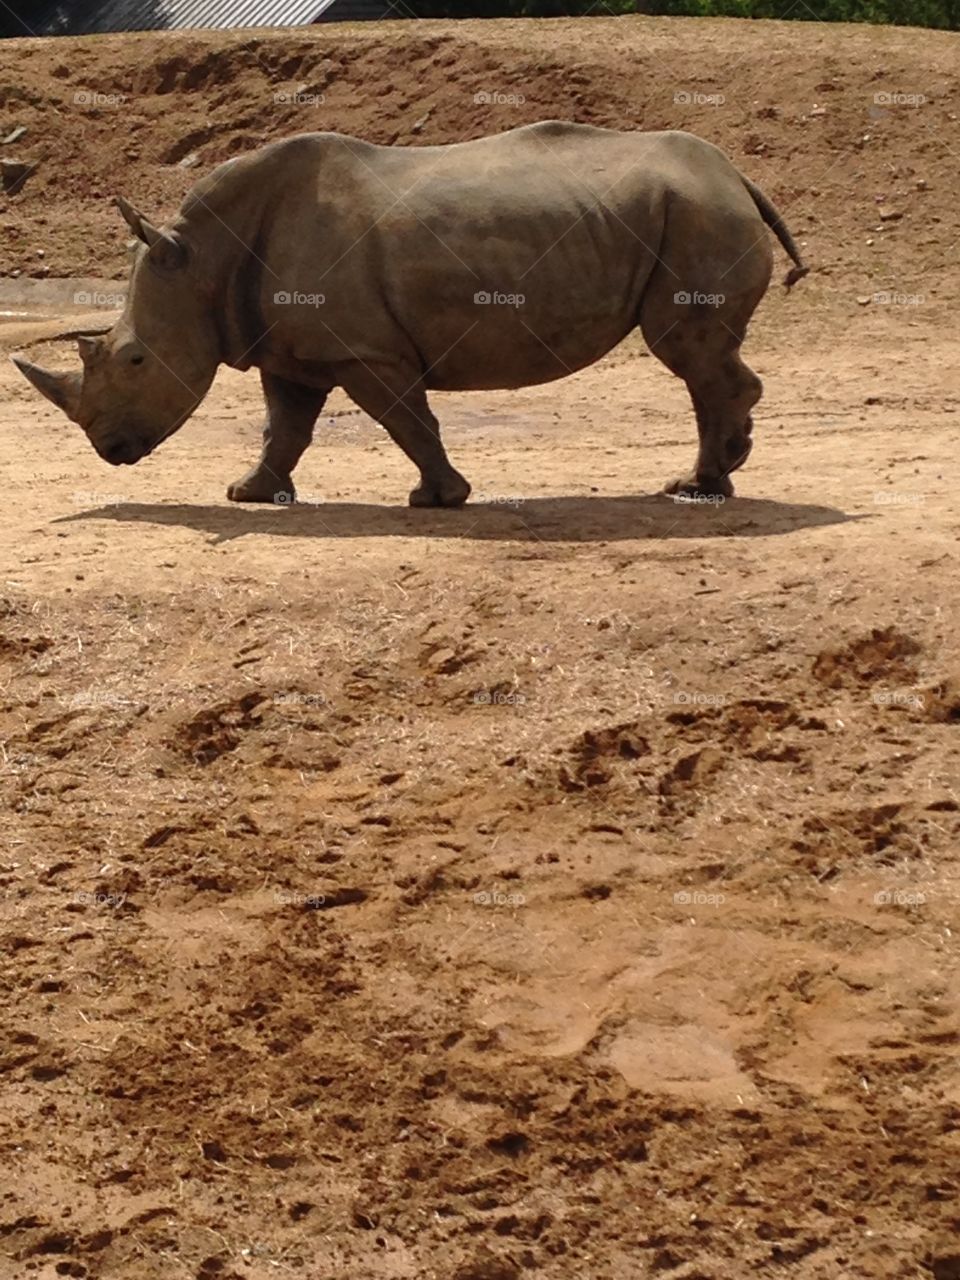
x: 944, y: 14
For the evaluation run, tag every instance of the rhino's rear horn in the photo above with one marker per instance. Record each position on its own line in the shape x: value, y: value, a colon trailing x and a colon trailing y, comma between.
x: 89, y: 347
x: 167, y: 251
x: 62, y: 388
x: 134, y: 219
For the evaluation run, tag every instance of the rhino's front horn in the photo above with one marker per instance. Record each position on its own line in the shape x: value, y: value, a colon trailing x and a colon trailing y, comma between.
x: 62, y: 388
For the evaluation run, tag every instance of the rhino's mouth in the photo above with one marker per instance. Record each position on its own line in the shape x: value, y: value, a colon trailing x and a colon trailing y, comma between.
x: 124, y: 453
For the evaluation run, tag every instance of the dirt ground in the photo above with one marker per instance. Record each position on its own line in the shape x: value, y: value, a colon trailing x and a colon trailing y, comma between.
x: 565, y: 886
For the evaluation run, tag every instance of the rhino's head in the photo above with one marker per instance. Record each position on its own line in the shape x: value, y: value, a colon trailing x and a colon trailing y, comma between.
x: 141, y: 381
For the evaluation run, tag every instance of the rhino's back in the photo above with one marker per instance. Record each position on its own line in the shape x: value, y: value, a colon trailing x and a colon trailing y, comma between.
x: 541, y: 162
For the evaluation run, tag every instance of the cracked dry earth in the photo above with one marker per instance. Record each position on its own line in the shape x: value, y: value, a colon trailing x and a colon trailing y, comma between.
x: 563, y: 887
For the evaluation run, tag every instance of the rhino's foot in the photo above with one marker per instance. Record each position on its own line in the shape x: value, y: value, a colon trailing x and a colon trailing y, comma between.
x: 257, y: 486
x: 691, y: 487
x: 452, y: 491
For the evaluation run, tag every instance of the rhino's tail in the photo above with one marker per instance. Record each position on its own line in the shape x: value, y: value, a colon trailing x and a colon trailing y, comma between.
x: 770, y: 215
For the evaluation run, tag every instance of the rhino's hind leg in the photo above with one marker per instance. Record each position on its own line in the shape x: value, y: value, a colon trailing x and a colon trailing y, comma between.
x: 700, y: 343
x: 292, y: 411
x: 722, y: 402
x: 398, y: 401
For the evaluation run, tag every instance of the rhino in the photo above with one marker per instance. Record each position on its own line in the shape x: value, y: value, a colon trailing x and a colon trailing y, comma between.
x: 390, y: 271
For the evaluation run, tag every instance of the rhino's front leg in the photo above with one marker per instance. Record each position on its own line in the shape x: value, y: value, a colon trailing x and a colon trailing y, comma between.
x: 396, y: 398
x: 292, y: 411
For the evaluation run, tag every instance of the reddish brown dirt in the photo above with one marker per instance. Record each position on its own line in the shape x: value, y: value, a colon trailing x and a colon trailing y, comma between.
x: 565, y: 886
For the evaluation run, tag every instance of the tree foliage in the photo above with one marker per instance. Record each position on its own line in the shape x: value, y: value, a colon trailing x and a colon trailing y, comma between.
x: 944, y: 14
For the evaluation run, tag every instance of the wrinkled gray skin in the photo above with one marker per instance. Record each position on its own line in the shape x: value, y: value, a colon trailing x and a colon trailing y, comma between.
x: 598, y: 231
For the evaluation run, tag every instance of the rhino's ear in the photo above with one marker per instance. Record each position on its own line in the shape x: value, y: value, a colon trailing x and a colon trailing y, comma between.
x: 166, y: 249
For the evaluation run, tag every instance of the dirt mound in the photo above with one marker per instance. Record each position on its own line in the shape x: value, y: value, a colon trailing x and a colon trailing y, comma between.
x: 853, y: 143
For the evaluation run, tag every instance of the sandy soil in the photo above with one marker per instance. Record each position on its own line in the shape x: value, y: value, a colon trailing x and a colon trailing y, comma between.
x: 566, y: 886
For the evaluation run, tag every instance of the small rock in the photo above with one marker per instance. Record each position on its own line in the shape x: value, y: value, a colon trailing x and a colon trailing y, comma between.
x: 922, y: 184
x: 890, y: 215
x: 190, y: 161
x: 441, y: 659
x: 14, y: 136
x: 863, y: 300
x: 486, y: 1265
x: 13, y: 174
x: 818, y: 111
x: 946, y: 1266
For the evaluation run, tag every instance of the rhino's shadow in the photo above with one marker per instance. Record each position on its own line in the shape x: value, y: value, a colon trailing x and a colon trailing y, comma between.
x: 572, y: 519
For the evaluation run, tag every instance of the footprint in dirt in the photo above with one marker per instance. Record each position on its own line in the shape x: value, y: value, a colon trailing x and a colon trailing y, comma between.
x: 216, y: 730
x: 941, y: 702
x: 596, y: 753
x: 686, y: 779
x: 20, y: 646
x: 884, y: 654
